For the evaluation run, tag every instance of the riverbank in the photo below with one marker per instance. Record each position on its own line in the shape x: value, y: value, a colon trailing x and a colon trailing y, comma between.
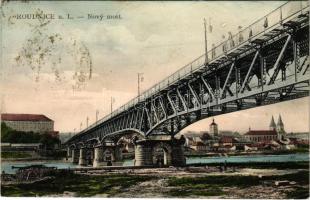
x: 188, y: 182
x: 247, y: 161
x: 31, y: 159
x: 31, y: 156
x: 271, y: 152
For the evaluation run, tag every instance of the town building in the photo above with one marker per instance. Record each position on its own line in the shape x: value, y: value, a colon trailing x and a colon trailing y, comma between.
x: 261, y: 135
x: 36, y: 123
x: 199, y: 146
x: 227, y: 140
x: 300, y: 135
x: 29, y: 147
x: 197, y: 141
x: 213, y: 129
x: 275, y: 132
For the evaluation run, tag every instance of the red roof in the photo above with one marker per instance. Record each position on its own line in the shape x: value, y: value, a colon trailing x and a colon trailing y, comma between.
x: 227, y: 139
x: 198, y: 144
x: 23, y: 117
x: 261, y: 132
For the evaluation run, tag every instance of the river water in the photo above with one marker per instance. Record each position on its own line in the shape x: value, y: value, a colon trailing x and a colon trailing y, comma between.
x: 7, y: 166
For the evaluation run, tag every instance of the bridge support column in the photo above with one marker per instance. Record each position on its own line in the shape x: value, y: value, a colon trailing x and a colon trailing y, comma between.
x: 117, y: 154
x: 147, y: 152
x: 143, y: 154
x: 98, y: 157
x: 177, y: 156
x: 75, y: 156
x: 69, y: 152
x: 90, y: 156
x: 177, y: 153
x: 82, y: 159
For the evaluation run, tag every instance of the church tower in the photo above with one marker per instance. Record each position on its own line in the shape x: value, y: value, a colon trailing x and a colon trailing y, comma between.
x: 272, y: 125
x: 213, y: 129
x: 280, y: 126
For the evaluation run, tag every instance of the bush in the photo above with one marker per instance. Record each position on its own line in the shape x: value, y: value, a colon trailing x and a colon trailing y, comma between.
x: 13, y: 136
x: 15, y: 155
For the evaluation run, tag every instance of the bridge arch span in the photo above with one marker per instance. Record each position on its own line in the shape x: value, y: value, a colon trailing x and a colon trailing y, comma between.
x: 119, y: 134
x: 268, y: 66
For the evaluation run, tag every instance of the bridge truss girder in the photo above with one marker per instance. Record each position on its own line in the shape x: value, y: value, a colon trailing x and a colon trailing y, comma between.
x: 264, y: 72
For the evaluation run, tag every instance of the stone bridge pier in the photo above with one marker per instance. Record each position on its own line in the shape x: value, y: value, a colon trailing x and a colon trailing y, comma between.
x: 86, y: 156
x: 82, y: 158
x: 69, y: 154
x: 105, y: 155
x: 75, y: 154
x: 100, y: 155
x: 146, y: 154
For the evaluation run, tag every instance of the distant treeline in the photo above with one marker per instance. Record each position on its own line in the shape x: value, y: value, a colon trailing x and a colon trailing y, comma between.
x: 9, y: 135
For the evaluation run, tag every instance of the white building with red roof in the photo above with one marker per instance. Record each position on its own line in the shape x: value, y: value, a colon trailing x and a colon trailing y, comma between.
x: 261, y: 135
x: 275, y: 132
x: 29, y: 122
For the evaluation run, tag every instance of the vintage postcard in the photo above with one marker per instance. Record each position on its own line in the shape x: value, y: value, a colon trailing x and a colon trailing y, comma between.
x: 155, y: 99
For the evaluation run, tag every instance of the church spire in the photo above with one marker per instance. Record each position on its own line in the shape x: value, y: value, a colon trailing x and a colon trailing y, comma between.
x: 272, y: 125
x: 280, y: 123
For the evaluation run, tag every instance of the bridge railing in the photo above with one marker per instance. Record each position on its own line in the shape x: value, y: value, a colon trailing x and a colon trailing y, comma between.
x: 272, y: 19
x: 264, y: 24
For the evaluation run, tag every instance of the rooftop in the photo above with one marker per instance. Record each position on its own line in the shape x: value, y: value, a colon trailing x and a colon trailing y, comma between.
x: 261, y: 132
x: 24, y: 117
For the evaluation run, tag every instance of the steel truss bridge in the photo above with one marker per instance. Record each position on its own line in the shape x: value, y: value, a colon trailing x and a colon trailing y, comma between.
x: 266, y: 63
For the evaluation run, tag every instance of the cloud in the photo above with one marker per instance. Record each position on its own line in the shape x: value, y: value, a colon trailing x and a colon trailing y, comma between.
x: 154, y: 38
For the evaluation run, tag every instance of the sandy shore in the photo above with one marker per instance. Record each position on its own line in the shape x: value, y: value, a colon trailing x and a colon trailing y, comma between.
x: 174, y: 182
x: 195, y: 171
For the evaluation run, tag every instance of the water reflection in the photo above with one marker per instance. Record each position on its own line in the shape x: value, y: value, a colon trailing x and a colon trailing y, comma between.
x: 7, y: 166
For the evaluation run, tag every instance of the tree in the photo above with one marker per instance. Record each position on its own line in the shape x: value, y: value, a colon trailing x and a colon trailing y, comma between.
x: 13, y: 136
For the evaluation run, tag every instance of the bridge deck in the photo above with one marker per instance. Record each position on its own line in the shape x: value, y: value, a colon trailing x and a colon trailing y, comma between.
x: 268, y: 30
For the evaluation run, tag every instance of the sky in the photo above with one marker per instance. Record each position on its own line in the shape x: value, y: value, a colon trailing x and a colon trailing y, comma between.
x: 68, y: 68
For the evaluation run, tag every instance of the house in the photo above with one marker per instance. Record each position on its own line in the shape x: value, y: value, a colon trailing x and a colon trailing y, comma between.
x: 226, y: 148
x: 261, y: 135
x: 199, y: 146
x: 36, y: 123
x: 196, y: 143
x: 227, y: 140
x: 286, y: 144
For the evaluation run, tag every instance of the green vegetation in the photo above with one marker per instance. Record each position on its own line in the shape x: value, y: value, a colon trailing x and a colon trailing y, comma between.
x: 298, y: 193
x: 205, y: 182
x: 304, y: 149
x: 82, y: 185
x: 196, y: 191
x: 211, y: 185
x: 114, y: 184
x: 15, y: 155
x: 12, y: 136
x: 56, y: 154
x: 262, y: 165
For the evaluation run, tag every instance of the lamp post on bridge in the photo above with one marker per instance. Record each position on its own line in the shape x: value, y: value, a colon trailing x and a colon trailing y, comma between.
x: 112, y: 101
x: 140, y: 79
x: 206, y: 42
x: 206, y: 38
x: 97, y: 114
x: 87, y: 121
